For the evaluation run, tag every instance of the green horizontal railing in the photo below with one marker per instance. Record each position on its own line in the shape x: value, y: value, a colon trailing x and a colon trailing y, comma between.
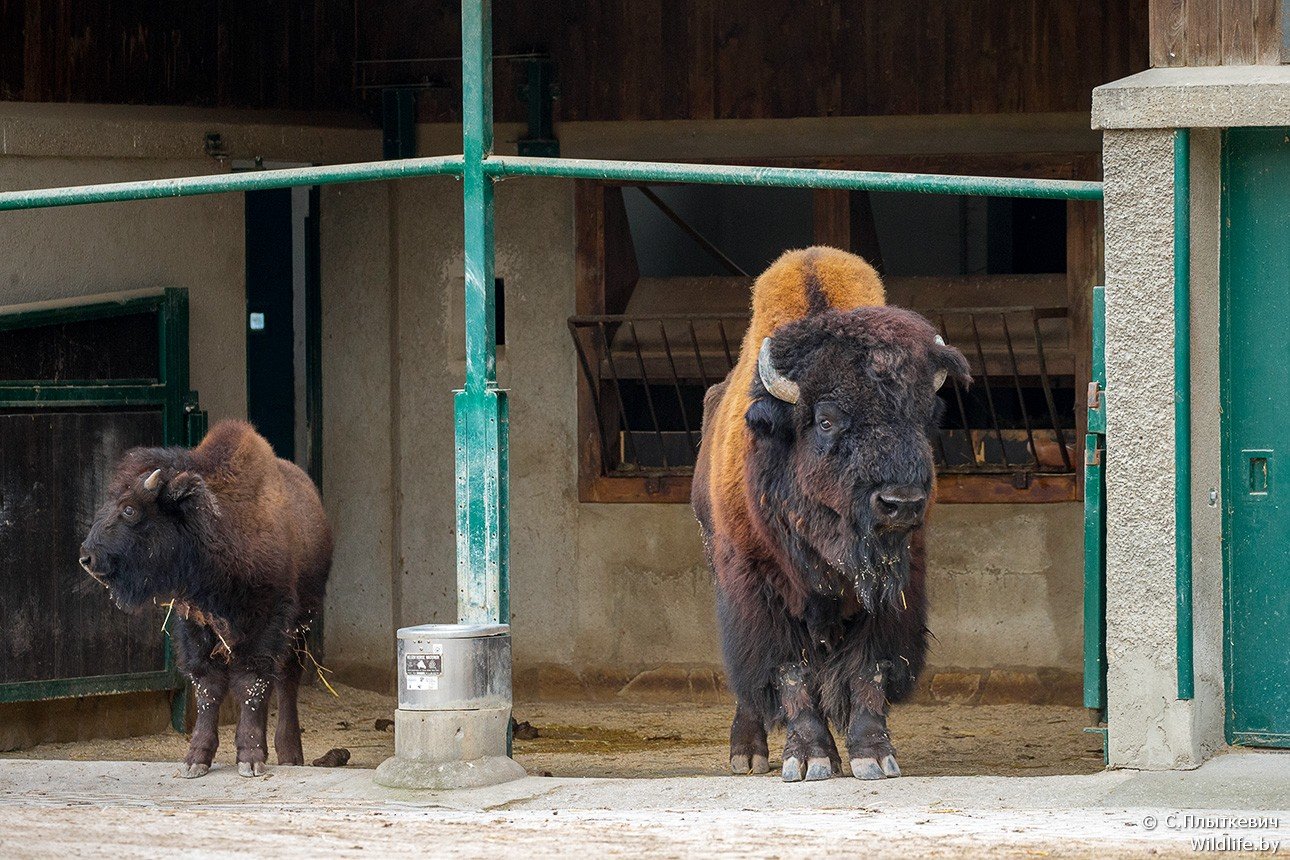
x: 222, y: 183
x: 501, y: 167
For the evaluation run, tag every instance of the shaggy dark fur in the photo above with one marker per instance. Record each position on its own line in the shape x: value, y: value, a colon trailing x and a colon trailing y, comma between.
x: 821, y: 602
x: 237, y: 538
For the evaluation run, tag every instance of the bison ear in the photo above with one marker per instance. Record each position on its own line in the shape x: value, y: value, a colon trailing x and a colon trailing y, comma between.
x: 770, y: 417
x: 188, y: 491
x: 949, y: 362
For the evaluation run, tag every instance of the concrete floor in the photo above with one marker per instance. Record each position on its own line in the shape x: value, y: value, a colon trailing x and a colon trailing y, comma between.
x: 135, y: 809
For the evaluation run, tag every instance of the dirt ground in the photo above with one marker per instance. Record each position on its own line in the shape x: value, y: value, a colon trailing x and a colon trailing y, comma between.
x: 579, y: 739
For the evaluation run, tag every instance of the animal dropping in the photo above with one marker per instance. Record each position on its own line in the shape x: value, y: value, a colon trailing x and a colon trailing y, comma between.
x: 812, y: 485
x: 235, y: 543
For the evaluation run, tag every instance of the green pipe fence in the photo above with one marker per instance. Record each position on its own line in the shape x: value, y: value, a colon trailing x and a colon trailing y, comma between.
x: 223, y: 183
x: 480, y: 408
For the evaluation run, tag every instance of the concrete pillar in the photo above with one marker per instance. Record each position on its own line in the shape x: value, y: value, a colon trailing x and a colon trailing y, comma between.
x: 1148, y: 725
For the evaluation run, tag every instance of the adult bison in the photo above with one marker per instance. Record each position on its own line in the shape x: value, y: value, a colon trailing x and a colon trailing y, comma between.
x: 238, y: 540
x: 813, y: 479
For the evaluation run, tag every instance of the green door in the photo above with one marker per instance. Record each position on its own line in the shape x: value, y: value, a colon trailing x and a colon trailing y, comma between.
x: 1256, y: 432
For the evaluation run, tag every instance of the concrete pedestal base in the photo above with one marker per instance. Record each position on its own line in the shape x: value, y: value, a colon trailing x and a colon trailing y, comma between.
x: 449, y: 749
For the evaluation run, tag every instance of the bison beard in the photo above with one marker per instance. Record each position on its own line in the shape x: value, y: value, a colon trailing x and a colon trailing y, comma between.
x: 810, y: 489
x: 237, y: 540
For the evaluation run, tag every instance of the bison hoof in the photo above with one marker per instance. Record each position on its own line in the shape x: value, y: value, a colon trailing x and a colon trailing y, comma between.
x: 792, y: 770
x: 889, y: 766
x: 192, y: 771
x: 867, y: 768
x: 743, y: 764
x: 246, y: 768
x: 818, y: 768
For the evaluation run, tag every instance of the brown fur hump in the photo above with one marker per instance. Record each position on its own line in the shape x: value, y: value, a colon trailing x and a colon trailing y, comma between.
x: 799, y: 284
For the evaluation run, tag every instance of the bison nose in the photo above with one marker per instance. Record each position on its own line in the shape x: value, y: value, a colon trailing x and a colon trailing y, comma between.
x: 87, y: 560
x: 899, y: 507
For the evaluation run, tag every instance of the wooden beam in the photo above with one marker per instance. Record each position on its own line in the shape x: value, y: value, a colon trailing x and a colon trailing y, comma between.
x: 1083, y: 272
x: 999, y: 489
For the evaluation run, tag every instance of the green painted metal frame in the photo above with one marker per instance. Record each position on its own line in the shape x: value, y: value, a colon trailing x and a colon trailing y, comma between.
x: 1182, y: 413
x: 1095, y: 516
x: 182, y: 423
x: 480, y: 408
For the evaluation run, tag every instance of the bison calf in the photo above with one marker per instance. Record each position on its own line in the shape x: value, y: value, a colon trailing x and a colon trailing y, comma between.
x: 238, y: 540
x: 813, y: 480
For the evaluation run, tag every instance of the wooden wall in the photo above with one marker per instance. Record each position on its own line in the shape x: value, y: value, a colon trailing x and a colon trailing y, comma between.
x: 241, y: 53
x: 706, y: 59
x: 616, y: 59
x: 1217, y: 32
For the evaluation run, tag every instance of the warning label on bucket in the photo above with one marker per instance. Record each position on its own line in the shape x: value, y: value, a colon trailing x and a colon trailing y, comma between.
x: 422, y: 671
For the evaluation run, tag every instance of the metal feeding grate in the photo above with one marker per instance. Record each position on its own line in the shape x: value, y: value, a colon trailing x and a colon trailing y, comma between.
x: 647, y: 375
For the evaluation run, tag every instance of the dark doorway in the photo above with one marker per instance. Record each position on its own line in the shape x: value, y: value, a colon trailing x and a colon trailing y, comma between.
x: 283, y: 322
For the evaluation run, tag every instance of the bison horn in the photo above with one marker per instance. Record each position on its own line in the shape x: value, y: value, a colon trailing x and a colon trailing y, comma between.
x: 942, y: 373
x: 776, y: 383
x: 153, y: 481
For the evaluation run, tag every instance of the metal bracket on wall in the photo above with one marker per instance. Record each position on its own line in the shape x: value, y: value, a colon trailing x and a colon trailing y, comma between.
x: 538, y: 91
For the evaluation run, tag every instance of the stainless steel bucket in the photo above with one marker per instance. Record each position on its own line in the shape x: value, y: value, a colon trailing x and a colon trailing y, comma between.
x: 454, y: 667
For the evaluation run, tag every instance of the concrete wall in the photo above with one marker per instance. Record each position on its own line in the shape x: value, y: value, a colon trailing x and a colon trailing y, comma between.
x: 601, y: 593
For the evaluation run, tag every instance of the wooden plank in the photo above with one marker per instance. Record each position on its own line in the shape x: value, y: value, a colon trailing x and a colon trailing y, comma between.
x: 1204, y: 34
x: 1168, y: 23
x: 999, y: 489
x: 666, y: 489
x: 689, y: 75
x: 640, y: 60
x: 831, y: 218
x: 1267, y: 32
x: 1238, y: 31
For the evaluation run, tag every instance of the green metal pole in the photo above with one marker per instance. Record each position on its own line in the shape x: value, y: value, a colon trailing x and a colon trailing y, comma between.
x: 480, y: 409
x: 221, y: 183
x: 1182, y: 410
x: 1095, y: 516
x: 793, y: 177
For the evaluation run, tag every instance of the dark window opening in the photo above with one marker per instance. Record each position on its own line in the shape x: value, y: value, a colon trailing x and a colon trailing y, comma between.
x: 114, y: 347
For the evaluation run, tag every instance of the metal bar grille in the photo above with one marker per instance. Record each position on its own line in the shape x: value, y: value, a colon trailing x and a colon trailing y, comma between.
x: 1014, y: 421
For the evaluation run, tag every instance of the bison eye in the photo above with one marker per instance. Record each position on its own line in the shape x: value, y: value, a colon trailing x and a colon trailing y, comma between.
x: 129, y: 512
x: 825, y: 424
